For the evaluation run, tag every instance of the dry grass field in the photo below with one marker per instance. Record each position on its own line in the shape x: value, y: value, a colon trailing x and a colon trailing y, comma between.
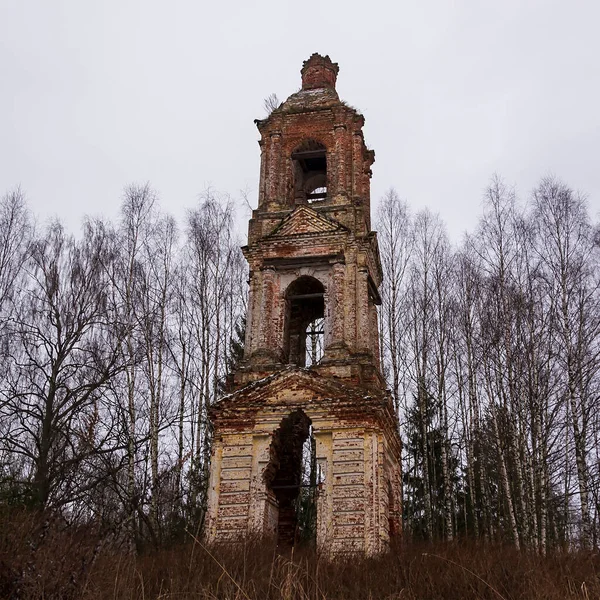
x: 46, y: 560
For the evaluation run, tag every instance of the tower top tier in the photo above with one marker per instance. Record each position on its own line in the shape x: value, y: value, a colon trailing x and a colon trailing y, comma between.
x: 319, y: 72
x: 313, y: 153
x: 314, y: 262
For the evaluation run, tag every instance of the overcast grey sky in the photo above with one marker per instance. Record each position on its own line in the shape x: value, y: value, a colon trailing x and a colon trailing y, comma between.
x: 98, y: 94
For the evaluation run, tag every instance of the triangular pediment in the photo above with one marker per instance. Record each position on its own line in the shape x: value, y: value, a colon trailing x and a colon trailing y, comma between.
x: 297, y: 381
x: 305, y: 221
x: 321, y: 396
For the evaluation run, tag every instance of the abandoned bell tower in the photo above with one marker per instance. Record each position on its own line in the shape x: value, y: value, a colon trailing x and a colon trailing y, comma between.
x: 307, y: 445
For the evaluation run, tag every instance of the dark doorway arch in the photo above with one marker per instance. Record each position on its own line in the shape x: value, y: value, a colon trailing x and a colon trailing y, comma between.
x: 304, y: 323
x: 291, y: 479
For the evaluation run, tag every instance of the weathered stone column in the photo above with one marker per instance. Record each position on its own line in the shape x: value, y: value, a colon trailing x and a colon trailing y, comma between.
x: 339, y: 133
x: 324, y: 450
x: 380, y: 491
x: 265, y: 318
x: 214, y: 490
x: 396, y: 485
x: 374, y: 329
x: 350, y: 307
x: 334, y: 307
x: 362, y: 310
x: 274, y: 163
x: 260, y: 519
x: 263, y: 174
x: 372, y: 485
x: 252, y: 333
x: 278, y: 318
x: 357, y: 163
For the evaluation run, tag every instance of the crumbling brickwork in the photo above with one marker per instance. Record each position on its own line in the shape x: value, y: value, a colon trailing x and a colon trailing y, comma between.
x: 314, y: 275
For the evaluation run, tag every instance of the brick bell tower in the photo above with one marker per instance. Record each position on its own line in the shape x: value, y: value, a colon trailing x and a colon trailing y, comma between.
x: 307, y: 446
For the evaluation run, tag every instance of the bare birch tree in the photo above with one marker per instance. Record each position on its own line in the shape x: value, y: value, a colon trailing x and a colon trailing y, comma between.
x: 569, y: 254
x: 67, y: 354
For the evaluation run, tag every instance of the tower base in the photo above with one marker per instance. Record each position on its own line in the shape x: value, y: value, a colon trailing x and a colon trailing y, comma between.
x: 257, y: 487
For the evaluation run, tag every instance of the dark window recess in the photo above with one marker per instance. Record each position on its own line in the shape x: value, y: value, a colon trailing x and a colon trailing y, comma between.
x: 293, y: 478
x: 310, y: 172
x: 305, y: 311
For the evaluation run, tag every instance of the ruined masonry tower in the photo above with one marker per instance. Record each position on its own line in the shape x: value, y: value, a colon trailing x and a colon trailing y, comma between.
x: 310, y: 427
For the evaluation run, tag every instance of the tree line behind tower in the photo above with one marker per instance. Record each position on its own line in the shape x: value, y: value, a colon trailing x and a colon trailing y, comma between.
x: 115, y: 342
x: 492, y: 351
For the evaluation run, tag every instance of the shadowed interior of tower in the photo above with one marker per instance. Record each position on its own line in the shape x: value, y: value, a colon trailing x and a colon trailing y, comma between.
x: 291, y: 478
x: 305, y: 309
x: 310, y: 172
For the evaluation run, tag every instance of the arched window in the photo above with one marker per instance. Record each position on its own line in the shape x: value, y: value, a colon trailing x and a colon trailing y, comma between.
x: 310, y: 172
x: 304, y: 329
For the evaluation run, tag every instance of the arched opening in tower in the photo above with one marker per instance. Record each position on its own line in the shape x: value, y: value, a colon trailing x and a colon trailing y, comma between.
x: 310, y: 172
x: 292, y: 479
x: 305, y: 321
